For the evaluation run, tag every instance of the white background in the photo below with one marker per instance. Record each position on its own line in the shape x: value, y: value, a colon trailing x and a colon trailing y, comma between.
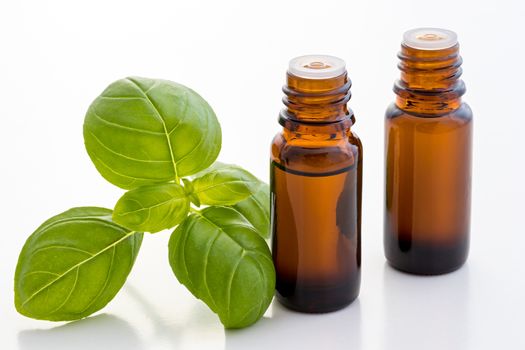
x: 56, y: 57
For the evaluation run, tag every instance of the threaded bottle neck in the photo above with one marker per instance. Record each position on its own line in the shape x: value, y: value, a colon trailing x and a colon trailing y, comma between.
x: 317, y: 100
x: 316, y: 92
x: 430, y: 80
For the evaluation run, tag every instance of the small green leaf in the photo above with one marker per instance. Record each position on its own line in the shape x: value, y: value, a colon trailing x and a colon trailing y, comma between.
x: 225, y: 185
x: 188, y: 186
x: 152, y: 208
x: 195, y: 200
x: 143, y: 131
x: 256, y: 209
x: 73, y: 265
x: 224, y: 262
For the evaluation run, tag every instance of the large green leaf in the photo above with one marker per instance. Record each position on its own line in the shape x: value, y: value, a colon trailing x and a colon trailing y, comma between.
x: 152, y: 208
x: 224, y: 262
x: 141, y: 131
x: 73, y: 265
x: 256, y: 209
x: 224, y: 185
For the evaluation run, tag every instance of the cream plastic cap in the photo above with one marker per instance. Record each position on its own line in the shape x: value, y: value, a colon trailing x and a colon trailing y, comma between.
x: 430, y: 38
x: 317, y: 67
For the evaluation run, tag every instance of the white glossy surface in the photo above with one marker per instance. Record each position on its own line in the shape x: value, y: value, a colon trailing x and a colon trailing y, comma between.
x: 55, y: 57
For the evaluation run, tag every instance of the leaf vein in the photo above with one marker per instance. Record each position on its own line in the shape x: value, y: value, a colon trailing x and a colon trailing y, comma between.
x: 222, y: 230
x: 105, y: 282
x: 62, y: 247
x: 183, y: 247
x: 226, y: 183
x: 123, y: 155
x: 206, y: 256
x: 82, y: 219
x: 42, y: 272
x: 134, y: 178
x: 68, y: 294
x: 163, y: 125
x: 123, y: 238
x: 184, y: 115
x: 206, y: 127
x: 168, y: 201
x: 230, y: 282
x: 121, y: 126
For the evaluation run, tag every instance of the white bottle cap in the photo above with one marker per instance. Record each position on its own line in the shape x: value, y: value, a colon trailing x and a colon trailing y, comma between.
x: 317, y: 67
x: 430, y: 38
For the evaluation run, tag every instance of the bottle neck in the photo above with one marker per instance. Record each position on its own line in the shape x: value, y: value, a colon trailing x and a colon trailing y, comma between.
x: 316, y: 102
x: 429, y: 83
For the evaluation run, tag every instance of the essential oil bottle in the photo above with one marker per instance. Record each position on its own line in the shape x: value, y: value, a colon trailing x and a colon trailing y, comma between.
x: 428, y: 158
x: 316, y: 170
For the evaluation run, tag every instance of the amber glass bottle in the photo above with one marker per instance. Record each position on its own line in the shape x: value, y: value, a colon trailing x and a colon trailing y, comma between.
x: 316, y: 167
x: 428, y: 158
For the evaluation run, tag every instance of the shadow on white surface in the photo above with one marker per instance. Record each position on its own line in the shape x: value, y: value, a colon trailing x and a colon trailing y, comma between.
x: 192, y: 327
x: 287, y: 329
x: 97, y: 332
x: 426, y: 312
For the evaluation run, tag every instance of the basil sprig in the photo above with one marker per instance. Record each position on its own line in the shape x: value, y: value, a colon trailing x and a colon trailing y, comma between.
x: 158, y: 140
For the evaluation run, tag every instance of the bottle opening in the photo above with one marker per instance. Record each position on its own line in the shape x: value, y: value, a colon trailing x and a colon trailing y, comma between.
x: 430, y: 38
x: 317, y: 67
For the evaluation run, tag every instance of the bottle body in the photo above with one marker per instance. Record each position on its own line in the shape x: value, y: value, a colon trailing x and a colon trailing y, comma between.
x: 428, y: 174
x: 316, y: 171
x: 428, y: 146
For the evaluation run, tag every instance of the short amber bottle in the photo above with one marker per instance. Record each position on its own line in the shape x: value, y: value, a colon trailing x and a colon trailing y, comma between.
x: 316, y: 169
x: 428, y: 158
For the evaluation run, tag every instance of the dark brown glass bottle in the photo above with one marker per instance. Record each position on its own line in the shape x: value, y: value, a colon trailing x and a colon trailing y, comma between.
x: 316, y: 169
x: 428, y: 158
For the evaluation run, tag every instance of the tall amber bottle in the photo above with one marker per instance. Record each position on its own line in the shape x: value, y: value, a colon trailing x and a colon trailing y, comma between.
x: 316, y: 168
x: 428, y: 158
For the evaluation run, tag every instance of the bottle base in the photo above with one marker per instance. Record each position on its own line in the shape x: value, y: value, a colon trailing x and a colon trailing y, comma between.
x: 425, y: 272
x: 316, y: 300
x: 426, y: 259
x: 313, y: 309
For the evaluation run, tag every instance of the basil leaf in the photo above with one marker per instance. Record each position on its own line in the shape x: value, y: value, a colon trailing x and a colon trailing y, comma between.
x: 256, y: 209
x: 222, y: 260
x: 73, y: 265
x: 152, y: 208
x: 141, y: 131
x: 213, y: 167
x: 225, y: 185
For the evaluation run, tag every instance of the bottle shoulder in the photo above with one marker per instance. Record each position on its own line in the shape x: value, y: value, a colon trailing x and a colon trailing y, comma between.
x: 460, y: 116
x: 318, y: 155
